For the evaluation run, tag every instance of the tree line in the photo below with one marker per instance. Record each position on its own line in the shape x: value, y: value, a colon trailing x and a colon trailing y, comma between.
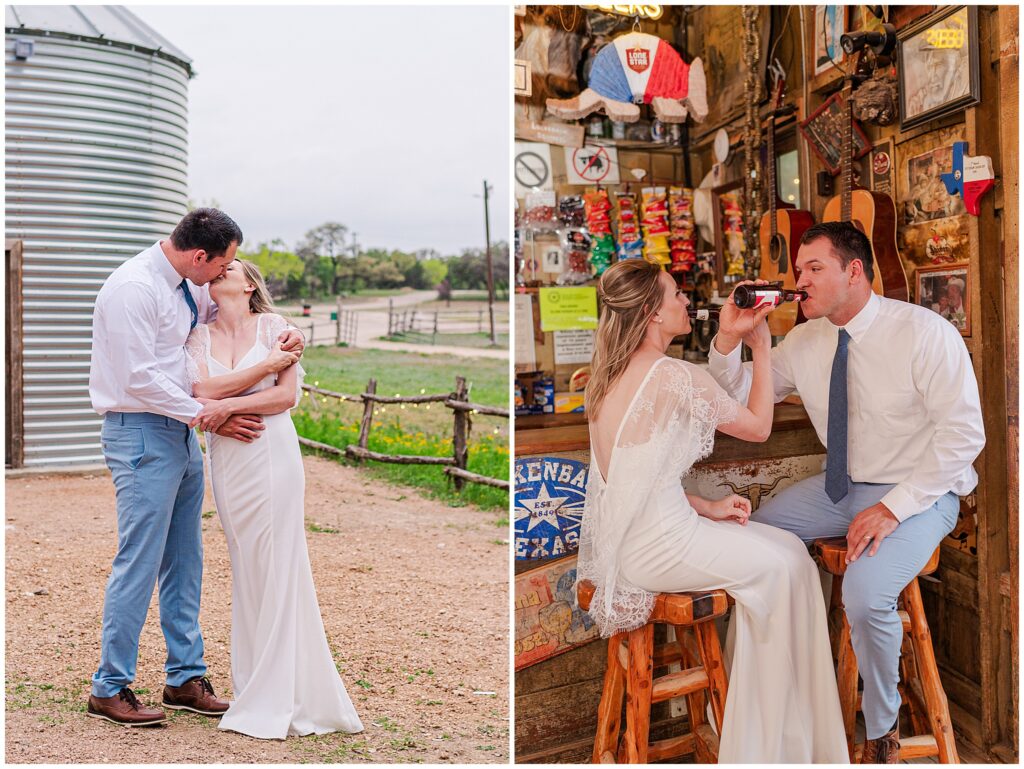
x: 327, y: 263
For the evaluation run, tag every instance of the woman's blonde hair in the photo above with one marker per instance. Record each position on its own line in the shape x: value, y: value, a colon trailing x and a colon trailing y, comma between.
x: 259, y: 300
x: 631, y: 293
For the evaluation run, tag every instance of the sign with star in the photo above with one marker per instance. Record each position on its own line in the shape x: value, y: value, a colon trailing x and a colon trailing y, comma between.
x: 549, y: 506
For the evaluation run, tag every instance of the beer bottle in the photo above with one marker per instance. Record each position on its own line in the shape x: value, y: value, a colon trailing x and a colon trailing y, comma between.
x: 702, y: 313
x: 753, y: 297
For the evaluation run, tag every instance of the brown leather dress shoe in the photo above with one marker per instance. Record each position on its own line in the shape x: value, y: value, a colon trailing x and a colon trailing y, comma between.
x: 195, y: 695
x: 884, y: 750
x: 124, y: 709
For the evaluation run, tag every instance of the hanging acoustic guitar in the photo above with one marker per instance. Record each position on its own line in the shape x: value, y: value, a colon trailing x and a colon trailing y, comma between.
x: 781, y: 229
x: 873, y: 213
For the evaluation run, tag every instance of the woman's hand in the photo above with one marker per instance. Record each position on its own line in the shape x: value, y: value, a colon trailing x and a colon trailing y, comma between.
x: 279, y: 359
x: 733, y: 507
x: 759, y: 337
x: 213, y: 415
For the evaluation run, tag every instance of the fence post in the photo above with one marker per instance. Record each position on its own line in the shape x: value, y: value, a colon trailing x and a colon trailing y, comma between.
x: 364, y: 427
x: 391, y: 309
x: 433, y: 339
x: 355, y: 329
x: 479, y: 321
x: 459, y: 442
x: 412, y: 323
x: 312, y: 334
x: 337, y: 325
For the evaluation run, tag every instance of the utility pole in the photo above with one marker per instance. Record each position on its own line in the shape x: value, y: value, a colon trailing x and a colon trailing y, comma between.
x: 490, y: 265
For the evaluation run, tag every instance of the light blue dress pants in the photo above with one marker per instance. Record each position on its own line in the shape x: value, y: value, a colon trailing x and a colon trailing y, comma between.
x: 872, y: 584
x: 157, y: 469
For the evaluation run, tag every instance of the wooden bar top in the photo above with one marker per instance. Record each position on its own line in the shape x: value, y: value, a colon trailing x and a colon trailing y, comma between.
x: 792, y: 435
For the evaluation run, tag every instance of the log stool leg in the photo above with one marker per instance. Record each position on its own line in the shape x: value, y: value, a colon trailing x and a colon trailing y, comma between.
x: 846, y: 667
x: 695, y: 702
x: 609, y: 712
x: 836, y: 616
x: 934, y: 696
x: 912, y: 687
x: 714, y: 666
x: 638, y: 693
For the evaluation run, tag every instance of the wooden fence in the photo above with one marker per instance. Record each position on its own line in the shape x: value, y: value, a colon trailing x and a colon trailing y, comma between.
x: 454, y: 466
x: 436, y: 322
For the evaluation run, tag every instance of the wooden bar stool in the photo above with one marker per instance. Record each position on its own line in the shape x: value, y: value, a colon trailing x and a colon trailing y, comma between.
x: 920, y: 686
x: 631, y: 662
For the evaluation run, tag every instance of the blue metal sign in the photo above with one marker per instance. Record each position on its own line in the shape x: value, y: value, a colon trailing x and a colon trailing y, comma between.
x: 549, y: 506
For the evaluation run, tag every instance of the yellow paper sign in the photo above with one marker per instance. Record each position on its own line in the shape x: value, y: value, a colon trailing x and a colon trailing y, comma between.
x: 563, y: 309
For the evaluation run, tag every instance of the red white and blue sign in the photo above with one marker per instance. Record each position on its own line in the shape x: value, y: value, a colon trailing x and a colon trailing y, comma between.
x: 549, y: 506
x: 970, y: 178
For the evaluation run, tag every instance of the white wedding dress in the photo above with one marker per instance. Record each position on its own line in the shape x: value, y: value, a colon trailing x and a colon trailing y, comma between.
x: 283, y: 675
x: 641, y: 536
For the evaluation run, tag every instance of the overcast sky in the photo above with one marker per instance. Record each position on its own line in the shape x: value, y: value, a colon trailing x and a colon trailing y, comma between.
x: 386, y: 119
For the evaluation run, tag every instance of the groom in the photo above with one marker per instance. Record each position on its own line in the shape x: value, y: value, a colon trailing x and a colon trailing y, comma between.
x: 890, y: 389
x: 138, y: 382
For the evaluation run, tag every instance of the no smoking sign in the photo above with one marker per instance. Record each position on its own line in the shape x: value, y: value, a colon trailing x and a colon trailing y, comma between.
x: 592, y: 165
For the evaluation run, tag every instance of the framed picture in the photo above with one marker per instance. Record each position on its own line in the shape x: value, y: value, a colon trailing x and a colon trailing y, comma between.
x: 824, y: 131
x: 945, y: 290
x: 829, y: 26
x: 938, y: 65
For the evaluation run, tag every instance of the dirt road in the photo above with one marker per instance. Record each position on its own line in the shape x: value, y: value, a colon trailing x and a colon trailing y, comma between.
x: 414, y: 598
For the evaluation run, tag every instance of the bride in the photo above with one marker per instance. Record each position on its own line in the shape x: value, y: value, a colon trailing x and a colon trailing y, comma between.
x: 651, y: 418
x: 282, y: 671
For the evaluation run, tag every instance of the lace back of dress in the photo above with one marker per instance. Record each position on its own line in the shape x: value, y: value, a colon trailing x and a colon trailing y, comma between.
x: 669, y: 426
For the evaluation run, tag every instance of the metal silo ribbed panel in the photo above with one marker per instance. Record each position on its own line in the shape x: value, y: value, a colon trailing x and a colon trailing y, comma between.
x: 96, y: 142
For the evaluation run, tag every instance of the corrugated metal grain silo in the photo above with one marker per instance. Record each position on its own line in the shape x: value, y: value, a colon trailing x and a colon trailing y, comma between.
x: 95, y: 169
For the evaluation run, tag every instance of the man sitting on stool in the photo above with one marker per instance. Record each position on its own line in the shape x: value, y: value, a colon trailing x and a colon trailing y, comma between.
x: 891, y: 392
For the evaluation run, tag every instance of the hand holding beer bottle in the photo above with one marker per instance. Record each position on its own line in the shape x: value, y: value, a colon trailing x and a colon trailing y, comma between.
x: 736, y: 323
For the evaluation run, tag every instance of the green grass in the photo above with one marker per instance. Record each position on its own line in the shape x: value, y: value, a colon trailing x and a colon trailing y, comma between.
x: 451, y: 340
x: 488, y: 455
x: 348, y: 370
x: 419, y: 429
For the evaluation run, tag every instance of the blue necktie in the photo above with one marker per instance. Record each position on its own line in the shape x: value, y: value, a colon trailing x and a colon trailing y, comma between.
x: 190, y: 302
x: 837, y: 483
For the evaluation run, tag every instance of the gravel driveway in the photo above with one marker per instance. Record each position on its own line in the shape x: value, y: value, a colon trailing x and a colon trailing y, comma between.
x: 414, y: 596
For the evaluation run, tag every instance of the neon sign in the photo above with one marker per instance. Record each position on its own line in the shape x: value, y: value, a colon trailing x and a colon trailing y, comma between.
x: 652, y: 11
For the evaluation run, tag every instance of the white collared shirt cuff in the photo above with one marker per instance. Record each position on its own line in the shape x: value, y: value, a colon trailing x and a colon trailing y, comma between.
x: 901, y: 503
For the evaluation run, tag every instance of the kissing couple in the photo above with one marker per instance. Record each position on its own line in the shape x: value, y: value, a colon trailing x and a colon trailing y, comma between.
x: 184, y: 335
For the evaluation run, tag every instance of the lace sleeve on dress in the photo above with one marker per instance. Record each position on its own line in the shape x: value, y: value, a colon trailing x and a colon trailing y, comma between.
x: 272, y: 328
x: 709, y: 407
x: 196, y: 345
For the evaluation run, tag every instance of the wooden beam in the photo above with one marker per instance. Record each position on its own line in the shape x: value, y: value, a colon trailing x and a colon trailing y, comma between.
x: 358, y: 452
x: 1009, y: 54
x: 14, y: 449
x: 466, y: 475
x: 988, y: 329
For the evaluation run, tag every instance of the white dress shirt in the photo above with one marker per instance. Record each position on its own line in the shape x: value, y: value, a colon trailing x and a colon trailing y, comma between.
x: 914, y: 409
x: 140, y: 324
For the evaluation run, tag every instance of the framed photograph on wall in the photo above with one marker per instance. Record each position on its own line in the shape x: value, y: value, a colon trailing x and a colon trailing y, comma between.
x: 824, y: 131
x: 946, y: 290
x: 938, y: 65
x: 829, y: 26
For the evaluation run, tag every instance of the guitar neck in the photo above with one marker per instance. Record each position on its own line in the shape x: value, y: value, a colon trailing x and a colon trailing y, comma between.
x: 847, y: 162
x: 773, y: 218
